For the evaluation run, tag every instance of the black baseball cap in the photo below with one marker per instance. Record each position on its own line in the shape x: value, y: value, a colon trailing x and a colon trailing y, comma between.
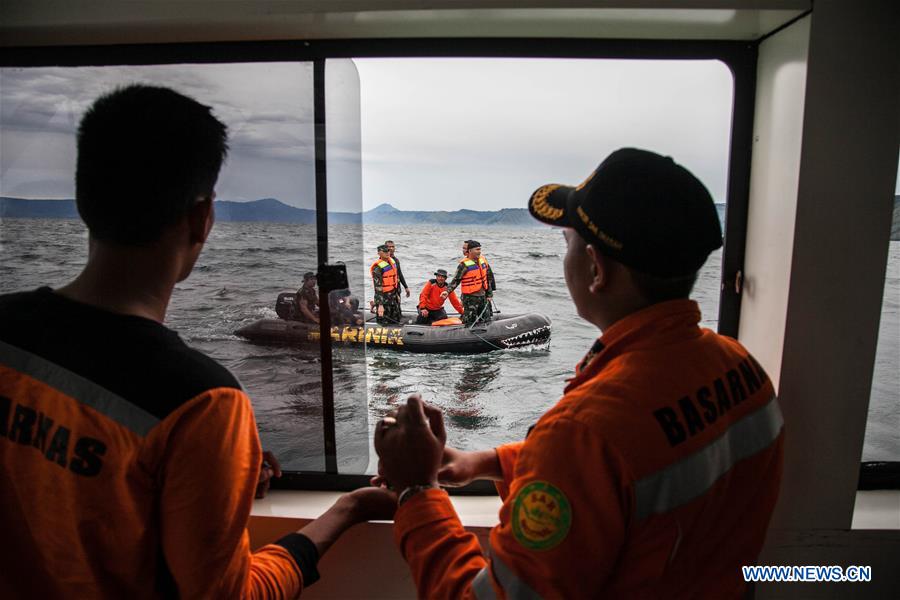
x: 473, y: 244
x: 440, y: 272
x: 383, y: 248
x: 640, y: 209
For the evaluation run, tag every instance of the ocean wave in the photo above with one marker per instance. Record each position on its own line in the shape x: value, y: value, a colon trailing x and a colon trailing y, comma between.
x: 490, y: 398
x: 212, y: 337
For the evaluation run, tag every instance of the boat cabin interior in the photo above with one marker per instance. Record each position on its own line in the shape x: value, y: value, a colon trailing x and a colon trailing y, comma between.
x: 812, y: 171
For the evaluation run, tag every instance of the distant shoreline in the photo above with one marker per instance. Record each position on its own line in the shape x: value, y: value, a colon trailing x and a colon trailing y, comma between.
x: 271, y: 210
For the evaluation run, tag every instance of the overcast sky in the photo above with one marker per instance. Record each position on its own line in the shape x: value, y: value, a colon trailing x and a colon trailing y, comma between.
x: 267, y: 107
x: 431, y: 133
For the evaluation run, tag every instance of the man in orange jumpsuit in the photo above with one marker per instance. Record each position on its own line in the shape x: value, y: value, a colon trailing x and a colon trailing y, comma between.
x: 128, y: 460
x: 656, y: 473
x: 431, y: 300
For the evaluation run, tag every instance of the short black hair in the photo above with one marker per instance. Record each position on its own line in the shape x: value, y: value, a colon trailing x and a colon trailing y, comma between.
x: 145, y: 154
x: 655, y: 289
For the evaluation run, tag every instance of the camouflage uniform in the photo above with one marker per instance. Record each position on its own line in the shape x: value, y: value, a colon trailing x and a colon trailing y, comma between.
x: 473, y: 304
x: 472, y: 307
x: 312, y: 302
x: 389, y: 300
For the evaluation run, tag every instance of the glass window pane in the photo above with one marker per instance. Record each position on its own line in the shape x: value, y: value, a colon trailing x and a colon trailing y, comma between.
x: 263, y: 240
x: 443, y: 139
x: 345, y: 245
x: 882, y: 441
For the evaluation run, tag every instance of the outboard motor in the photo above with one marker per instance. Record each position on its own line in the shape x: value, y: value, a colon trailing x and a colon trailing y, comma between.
x: 286, y: 306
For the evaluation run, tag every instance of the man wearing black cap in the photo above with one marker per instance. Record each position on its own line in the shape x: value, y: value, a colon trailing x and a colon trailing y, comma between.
x: 657, y: 472
x: 485, y: 268
x: 308, y: 299
x: 473, y: 277
x: 431, y: 300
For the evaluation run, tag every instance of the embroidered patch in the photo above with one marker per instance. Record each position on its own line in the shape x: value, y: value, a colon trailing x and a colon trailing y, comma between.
x: 541, y: 516
x: 541, y: 207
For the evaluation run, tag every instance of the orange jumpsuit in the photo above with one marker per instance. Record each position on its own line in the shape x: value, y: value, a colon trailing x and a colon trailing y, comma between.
x: 128, y: 463
x: 654, y: 476
x: 430, y: 297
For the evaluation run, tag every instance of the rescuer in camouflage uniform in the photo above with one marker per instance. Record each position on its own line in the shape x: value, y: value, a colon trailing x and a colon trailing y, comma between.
x: 482, y: 261
x: 307, y: 299
x: 477, y: 302
x: 392, y: 247
x: 387, y: 302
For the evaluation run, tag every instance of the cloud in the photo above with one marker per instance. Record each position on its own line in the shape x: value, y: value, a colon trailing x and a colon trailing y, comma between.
x: 475, y: 133
x: 269, y: 118
x: 502, y: 124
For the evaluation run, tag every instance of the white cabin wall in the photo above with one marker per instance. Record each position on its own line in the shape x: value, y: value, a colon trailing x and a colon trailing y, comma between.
x: 775, y: 173
x: 847, y: 171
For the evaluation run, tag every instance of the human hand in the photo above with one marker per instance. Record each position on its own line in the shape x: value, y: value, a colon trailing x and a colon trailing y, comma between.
x: 371, y: 504
x: 410, y: 445
x: 270, y: 468
x: 424, y: 312
x: 361, y: 505
x: 458, y: 467
x: 407, y: 292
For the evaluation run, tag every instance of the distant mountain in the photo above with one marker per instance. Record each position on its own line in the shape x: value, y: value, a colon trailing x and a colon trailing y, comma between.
x: 21, y: 208
x: 385, y: 214
x: 271, y: 210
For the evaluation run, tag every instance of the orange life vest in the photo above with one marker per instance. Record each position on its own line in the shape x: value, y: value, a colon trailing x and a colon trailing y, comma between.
x: 388, y: 274
x: 474, y: 279
x: 483, y: 265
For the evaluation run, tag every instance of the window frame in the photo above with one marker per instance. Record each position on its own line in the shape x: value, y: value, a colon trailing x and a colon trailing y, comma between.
x: 739, y: 56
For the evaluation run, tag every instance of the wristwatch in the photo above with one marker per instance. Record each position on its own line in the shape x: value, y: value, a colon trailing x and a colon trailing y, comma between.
x: 411, y: 491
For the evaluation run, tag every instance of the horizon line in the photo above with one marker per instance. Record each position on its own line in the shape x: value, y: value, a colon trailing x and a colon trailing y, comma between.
x: 313, y: 209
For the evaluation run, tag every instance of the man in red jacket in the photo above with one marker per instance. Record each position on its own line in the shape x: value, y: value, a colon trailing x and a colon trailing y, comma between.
x: 431, y: 299
x: 656, y: 473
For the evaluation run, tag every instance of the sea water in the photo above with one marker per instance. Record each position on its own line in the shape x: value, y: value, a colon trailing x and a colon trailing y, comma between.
x: 487, y: 399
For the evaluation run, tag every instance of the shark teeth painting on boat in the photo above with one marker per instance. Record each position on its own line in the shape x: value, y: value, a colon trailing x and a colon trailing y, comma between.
x: 534, y: 336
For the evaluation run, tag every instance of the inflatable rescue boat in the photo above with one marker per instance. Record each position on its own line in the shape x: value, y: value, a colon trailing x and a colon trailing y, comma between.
x: 501, y: 333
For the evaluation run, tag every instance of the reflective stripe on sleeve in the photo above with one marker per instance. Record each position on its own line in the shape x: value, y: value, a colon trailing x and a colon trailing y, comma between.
x: 513, y: 587
x: 683, y: 481
x: 482, y: 586
x: 83, y: 390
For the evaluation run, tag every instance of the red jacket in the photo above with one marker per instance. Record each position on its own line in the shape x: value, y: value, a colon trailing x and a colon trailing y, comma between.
x: 654, y: 476
x: 430, y: 297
